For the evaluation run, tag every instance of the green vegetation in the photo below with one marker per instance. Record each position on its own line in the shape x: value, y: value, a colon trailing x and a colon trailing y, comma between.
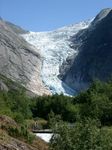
x: 20, y: 132
x: 86, y: 134
x: 79, y: 122
x: 59, y: 104
x: 96, y: 102
x: 15, y: 104
x: 93, y: 127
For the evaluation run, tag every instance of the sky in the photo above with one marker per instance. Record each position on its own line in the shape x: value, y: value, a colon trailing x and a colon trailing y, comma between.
x: 46, y: 15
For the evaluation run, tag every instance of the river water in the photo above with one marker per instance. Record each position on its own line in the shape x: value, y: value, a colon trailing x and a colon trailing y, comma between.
x: 45, y: 136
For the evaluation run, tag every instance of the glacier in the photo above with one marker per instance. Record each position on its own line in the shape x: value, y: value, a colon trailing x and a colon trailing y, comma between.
x: 54, y: 49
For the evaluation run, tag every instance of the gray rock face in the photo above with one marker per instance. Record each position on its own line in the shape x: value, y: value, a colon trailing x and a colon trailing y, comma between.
x: 94, y: 59
x: 3, y: 86
x: 18, y: 60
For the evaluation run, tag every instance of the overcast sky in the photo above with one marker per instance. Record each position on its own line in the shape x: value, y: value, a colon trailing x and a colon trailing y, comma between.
x: 44, y: 15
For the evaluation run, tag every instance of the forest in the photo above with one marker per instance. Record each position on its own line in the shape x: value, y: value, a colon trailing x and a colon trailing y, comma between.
x: 81, y: 122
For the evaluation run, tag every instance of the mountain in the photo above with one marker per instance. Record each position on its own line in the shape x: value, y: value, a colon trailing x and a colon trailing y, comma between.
x: 65, y: 60
x: 55, y: 49
x: 19, y: 61
x: 94, y: 59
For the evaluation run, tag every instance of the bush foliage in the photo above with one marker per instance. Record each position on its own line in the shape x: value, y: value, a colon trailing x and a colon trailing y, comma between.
x: 92, y: 129
x: 86, y: 119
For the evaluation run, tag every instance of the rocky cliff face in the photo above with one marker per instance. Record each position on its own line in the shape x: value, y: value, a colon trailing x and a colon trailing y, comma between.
x: 94, y: 58
x: 19, y: 60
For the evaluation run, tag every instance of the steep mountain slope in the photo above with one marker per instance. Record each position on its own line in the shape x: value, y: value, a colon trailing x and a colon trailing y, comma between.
x: 94, y: 60
x: 18, y: 60
x: 55, y: 48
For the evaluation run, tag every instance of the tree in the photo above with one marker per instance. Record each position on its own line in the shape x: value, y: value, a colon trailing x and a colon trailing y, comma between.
x: 84, y: 135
